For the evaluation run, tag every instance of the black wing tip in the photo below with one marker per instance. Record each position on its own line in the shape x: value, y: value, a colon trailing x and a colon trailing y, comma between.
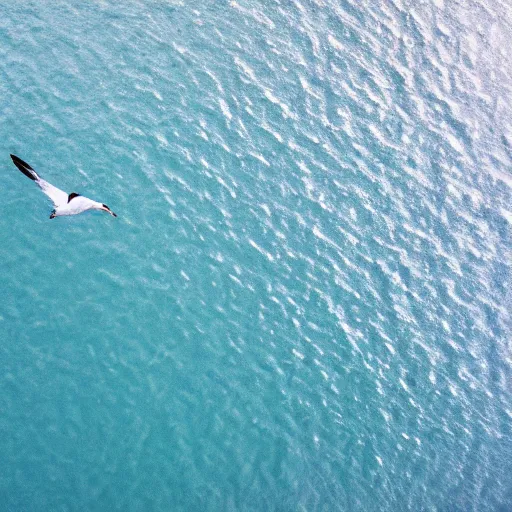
x: 24, y: 167
x: 17, y: 160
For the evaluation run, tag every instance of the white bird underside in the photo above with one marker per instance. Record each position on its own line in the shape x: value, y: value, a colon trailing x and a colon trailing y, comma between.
x: 65, y: 204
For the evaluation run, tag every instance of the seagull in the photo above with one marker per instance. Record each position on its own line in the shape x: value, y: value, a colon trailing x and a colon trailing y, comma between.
x: 65, y: 204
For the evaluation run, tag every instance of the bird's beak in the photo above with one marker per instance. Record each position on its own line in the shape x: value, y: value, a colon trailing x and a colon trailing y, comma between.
x: 107, y: 209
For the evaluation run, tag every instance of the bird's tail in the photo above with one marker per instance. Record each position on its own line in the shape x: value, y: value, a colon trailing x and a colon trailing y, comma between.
x: 25, y: 168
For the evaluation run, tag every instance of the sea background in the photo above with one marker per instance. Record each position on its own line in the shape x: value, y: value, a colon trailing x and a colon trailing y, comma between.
x: 304, y: 303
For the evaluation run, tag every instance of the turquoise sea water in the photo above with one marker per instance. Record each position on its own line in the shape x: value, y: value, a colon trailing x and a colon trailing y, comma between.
x: 304, y: 303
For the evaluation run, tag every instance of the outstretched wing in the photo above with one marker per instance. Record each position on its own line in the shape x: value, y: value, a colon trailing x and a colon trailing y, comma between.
x: 58, y: 196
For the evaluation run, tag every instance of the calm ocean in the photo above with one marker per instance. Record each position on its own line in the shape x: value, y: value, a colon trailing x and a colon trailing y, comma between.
x: 305, y: 301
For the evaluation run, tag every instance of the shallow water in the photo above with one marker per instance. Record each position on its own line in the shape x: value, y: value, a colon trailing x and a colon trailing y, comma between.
x: 304, y: 303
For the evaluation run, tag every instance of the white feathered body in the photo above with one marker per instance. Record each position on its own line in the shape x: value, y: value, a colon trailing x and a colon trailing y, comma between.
x: 77, y: 205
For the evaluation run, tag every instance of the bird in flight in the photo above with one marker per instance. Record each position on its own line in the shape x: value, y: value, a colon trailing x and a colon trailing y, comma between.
x: 65, y: 204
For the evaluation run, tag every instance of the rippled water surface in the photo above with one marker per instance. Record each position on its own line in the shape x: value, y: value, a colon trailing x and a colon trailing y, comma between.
x: 304, y: 303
